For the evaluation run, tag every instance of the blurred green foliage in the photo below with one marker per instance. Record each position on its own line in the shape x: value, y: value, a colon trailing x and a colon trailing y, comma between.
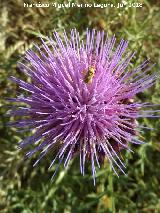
x: 26, y: 189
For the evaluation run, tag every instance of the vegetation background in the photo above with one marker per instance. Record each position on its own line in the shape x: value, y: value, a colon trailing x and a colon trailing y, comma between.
x: 24, y: 189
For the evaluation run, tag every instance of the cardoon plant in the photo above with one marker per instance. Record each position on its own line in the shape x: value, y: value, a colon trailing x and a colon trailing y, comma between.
x: 81, y: 99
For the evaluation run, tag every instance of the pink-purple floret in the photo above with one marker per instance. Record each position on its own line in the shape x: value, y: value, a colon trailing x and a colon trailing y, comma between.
x: 93, y: 120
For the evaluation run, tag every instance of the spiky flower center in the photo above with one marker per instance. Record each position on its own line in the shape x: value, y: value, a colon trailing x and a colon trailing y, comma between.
x: 81, y: 99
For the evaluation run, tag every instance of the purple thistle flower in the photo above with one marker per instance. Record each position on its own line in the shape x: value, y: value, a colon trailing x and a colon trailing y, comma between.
x: 80, y: 99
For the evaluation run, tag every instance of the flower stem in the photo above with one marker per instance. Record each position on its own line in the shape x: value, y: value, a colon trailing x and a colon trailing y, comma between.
x: 111, y: 189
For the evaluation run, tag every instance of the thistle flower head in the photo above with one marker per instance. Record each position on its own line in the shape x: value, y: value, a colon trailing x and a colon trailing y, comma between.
x: 81, y: 99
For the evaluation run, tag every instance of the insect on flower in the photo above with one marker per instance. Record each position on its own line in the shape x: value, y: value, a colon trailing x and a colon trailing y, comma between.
x: 81, y: 99
x: 89, y: 75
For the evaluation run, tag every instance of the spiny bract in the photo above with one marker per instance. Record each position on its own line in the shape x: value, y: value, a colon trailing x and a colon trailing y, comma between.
x: 80, y: 99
